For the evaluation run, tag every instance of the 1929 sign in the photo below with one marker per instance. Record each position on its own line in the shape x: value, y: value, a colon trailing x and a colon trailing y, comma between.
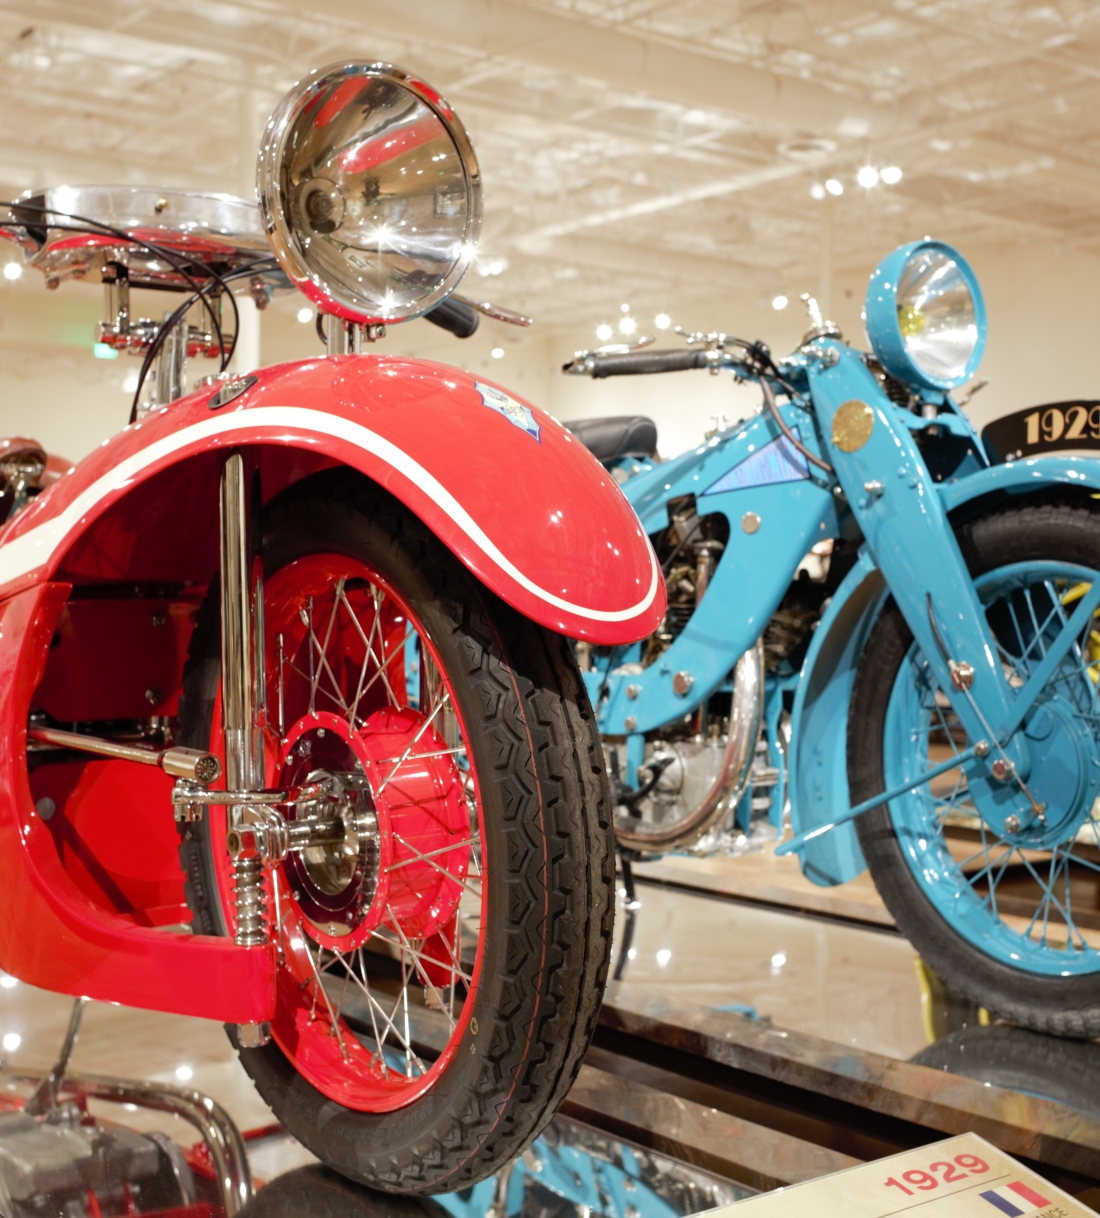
x: 1042, y: 429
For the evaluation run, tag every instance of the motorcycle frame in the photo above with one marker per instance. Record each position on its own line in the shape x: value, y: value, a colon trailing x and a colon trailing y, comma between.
x: 886, y: 490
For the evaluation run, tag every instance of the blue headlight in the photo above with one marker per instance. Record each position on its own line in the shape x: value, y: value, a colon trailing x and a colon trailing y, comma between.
x: 926, y: 315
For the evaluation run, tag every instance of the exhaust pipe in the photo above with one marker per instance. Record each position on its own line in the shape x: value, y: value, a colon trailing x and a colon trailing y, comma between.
x: 733, y: 774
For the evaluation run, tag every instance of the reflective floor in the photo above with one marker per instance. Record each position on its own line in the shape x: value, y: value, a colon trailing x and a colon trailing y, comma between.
x: 850, y: 983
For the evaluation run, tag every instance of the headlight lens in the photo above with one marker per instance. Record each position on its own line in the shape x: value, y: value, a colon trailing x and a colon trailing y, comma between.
x: 370, y: 192
x: 925, y: 316
x: 936, y: 314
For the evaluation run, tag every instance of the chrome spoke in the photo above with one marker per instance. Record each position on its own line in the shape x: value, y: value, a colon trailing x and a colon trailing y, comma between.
x: 405, y: 755
x: 367, y: 641
x: 432, y: 863
x: 324, y: 994
x: 469, y: 841
x: 418, y: 954
x: 364, y: 985
x: 377, y: 595
x: 425, y: 756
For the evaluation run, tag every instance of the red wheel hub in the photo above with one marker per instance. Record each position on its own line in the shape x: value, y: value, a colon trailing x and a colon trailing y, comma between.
x: 411, y: 876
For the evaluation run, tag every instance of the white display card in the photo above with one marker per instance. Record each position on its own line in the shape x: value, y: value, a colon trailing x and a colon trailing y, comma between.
x: 963, y: 1177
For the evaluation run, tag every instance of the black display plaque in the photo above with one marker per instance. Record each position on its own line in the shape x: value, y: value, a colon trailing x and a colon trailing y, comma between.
x: 1055, y: 427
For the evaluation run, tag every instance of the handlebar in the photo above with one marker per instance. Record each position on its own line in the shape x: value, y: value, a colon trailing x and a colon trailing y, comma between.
x: 455, y: 315
x: 634, y: 363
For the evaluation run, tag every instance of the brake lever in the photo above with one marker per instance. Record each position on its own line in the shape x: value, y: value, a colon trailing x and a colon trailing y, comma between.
x: 496, y: 312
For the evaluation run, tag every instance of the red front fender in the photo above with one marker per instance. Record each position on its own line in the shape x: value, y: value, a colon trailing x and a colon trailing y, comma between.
x: 501, y: 483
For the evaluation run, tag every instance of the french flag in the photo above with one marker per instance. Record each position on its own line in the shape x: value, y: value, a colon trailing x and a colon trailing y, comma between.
x: 1015, y: 1200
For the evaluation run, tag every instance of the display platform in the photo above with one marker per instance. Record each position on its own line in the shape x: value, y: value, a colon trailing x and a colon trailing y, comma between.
x: 678, y: 1109
x: 746, y: 1047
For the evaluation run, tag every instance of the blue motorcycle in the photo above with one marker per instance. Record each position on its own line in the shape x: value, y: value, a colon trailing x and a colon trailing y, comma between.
x: 885, y: 622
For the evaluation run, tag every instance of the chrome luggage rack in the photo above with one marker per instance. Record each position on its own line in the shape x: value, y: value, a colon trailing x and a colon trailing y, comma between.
x: 69, y: 232
x: 208, y: 246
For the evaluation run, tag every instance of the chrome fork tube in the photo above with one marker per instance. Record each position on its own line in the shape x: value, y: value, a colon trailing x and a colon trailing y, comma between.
x: 242, y: 685
x: 242, y: 650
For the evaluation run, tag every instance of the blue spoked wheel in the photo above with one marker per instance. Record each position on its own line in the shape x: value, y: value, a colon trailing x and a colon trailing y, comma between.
x: 1011, y: 919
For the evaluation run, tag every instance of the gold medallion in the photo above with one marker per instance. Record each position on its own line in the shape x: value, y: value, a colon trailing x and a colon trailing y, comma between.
x: 852, y: 425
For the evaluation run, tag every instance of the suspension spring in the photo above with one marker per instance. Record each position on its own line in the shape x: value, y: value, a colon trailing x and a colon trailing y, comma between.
x: 251, y: 902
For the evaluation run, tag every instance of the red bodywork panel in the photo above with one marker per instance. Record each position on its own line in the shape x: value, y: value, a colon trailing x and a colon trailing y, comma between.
x: 521, y: 502
x: 61, y: 936
x: 100, y: 578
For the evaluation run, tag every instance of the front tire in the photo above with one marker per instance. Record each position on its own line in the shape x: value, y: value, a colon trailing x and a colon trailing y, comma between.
x: 509, y: 943
x: 995, y: 917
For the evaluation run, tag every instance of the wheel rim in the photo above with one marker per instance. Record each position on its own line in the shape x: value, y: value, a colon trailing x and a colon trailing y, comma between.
x: 1017, y: 898
x: 355, y: 686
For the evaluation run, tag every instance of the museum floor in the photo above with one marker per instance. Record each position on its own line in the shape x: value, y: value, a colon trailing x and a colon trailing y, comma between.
x: 838, y: 971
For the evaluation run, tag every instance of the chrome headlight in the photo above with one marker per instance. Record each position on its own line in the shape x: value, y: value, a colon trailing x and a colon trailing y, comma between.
x: 926, y: 316
x: 370, y: 192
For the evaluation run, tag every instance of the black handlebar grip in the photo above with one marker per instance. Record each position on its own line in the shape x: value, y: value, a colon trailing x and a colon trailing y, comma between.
x: 455, y: 315
x: 634, y: 363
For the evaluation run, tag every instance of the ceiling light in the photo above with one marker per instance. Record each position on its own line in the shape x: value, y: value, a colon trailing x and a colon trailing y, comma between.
x: 625, y: 308
x: 603, y: 333
x: 497, y: 353
x: 628, y: 325
x: 817, y: 191
x: 183, y: 1073
x: 890, y: 175
x: 305, y: 316
x: 779, y: 302
x: 834, y: 187
x: 11, y: 1042
x: 778, y: 960
x: 12, y: 270
x: 662, y: 321
x: 663, y: 956
x: 808, y: 149
x: 867, y: 177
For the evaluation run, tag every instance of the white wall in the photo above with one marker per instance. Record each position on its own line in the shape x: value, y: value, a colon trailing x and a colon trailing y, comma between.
x: 1043, y: 303
x: 1044, y: 313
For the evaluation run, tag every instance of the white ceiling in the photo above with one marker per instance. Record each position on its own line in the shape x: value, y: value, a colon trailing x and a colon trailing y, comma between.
x: 631, y: 149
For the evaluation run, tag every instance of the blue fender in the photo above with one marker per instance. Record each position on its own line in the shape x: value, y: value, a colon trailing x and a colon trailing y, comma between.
x: 819, y: 719
x: 1022, y: 477
x: 819, y: 725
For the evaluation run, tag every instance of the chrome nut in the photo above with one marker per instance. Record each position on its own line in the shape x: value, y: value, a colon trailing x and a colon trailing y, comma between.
x: 962, y: 675
x: 682, y: 683
x: 253, y: 1035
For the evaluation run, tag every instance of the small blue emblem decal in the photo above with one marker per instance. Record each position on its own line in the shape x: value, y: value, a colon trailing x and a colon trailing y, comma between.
x: 513, y: 411
x: 778, y: 461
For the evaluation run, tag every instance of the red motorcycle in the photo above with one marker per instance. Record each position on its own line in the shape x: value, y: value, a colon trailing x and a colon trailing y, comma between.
x: 293, y: 737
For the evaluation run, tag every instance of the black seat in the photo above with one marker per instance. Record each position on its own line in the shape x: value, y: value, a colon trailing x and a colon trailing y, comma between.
x: 619, y: 436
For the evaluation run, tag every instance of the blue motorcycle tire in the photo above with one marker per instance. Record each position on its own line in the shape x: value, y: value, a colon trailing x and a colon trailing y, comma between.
x: 1041, y: 532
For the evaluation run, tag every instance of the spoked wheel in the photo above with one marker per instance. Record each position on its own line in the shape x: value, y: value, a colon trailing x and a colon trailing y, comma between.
x: 1007, y: 918
x: 442, y: 951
